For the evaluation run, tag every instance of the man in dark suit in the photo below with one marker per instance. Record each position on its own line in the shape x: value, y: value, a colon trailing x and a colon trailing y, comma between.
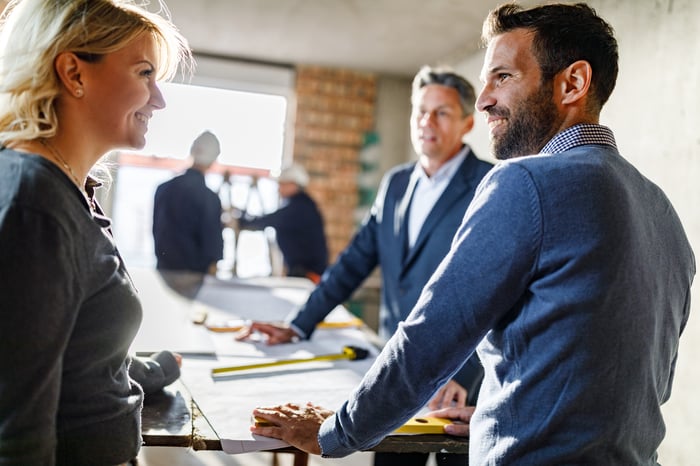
x: 408, y: 231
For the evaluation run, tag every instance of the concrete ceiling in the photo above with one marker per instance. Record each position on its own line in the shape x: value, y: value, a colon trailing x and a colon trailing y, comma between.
x: 393, y: 37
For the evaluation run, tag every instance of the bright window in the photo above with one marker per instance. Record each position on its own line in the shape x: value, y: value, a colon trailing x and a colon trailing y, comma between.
x: 251, y: 129
x: 250, y: 126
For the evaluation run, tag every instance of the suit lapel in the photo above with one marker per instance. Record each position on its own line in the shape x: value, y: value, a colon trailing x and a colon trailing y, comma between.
x: 456, y: 189
x: 400, y: 215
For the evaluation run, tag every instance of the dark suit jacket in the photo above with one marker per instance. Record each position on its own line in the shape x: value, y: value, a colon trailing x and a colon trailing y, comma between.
x: 381, y: 241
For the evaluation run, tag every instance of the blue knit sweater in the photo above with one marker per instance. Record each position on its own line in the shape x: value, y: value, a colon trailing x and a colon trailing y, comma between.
x: 571, y: 277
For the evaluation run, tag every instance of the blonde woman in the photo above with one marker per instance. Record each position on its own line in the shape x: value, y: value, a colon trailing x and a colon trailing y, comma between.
x: 77, y: 80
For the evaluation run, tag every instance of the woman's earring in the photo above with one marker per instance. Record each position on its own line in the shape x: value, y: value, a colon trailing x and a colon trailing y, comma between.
x: 79, y: 92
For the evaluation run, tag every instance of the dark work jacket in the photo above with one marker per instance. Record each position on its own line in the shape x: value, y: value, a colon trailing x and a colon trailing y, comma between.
x: 381, y: 241
x: 187, y: 224
x: 299, y: 231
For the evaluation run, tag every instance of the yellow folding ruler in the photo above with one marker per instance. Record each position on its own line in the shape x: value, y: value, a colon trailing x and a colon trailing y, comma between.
x: 416, y: 425
x: 424, y: 425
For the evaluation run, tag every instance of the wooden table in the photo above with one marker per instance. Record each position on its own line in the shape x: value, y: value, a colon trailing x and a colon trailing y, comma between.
x: 173, y: 417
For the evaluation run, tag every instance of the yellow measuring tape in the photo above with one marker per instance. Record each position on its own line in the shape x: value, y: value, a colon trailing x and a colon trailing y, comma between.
x: 424, y: 425
x: 349, y: 352
x: 416, y: 425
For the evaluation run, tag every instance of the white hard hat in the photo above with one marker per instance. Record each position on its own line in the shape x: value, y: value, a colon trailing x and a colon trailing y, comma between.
x: 294, y: 173
x: 205, y: 149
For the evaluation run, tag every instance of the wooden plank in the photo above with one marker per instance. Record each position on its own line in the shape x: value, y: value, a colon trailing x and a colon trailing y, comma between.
x: 166, y: 419
x: 423, y: 444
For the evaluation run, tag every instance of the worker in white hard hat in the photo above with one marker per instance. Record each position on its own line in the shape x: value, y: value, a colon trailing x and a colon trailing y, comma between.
x: 298, y: 226
x: 187, y: 222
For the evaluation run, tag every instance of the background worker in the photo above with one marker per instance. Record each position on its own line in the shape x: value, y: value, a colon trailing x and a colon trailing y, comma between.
x: 409, y: 230
x: 298, y: 226
x: 570, y: 275
x: 187, y: 227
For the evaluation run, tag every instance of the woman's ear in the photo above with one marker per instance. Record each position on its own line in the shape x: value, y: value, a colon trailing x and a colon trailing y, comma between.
x: 68, y: 68
x: 574, y: 81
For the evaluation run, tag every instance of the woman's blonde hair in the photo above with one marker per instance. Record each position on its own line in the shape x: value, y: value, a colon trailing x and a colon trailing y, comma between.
x: 34, y: 32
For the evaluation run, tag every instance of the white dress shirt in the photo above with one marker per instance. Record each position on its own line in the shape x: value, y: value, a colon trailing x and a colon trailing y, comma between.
x: 427, y: 191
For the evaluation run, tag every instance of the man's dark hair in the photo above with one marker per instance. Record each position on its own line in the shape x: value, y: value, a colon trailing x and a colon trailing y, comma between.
x: 447, y: 77
x: 563, y: 34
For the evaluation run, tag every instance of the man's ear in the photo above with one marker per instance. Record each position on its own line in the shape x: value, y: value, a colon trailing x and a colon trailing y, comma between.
x: 468, y: 124
x: 68, y: 68
x: 574, y: 81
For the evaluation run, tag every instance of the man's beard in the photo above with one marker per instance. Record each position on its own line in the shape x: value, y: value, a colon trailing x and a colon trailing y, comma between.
x: 529, y: 127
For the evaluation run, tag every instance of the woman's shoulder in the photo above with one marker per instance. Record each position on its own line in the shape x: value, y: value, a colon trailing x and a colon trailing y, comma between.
x: 29, y: 180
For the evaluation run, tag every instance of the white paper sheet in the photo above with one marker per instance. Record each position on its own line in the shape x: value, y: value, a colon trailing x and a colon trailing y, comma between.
x: 227, y: 401
x: 261, y: 299
x: 167, y: 318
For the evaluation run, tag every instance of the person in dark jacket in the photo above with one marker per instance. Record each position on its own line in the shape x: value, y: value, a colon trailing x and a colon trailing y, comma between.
x: 298, y: 226
x: 187, y: 222
x: 416, y: 213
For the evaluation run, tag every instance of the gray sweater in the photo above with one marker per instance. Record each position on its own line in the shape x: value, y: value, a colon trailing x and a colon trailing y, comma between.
x: 69, y: 314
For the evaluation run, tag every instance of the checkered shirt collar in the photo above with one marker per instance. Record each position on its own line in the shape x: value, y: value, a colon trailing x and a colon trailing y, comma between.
x: 579, y: 135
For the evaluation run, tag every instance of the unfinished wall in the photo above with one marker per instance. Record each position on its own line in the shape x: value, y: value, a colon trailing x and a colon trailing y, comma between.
x: 654, y: 112
x: 334, y: 111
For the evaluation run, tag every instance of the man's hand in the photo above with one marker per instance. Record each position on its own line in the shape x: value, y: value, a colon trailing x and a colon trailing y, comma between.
x: 460, y: 417
x: 296, y: 425
x: 451, y: 394
x: 275, y: 333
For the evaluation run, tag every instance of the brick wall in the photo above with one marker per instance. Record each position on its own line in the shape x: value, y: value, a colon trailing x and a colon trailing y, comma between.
x: 335, y: 109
